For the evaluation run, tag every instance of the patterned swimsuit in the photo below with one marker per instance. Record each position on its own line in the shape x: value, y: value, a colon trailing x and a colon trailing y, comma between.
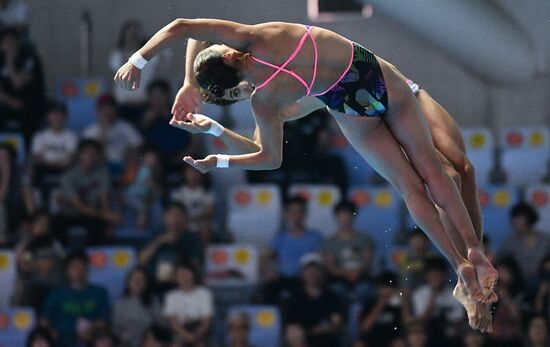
x: 360, y: 90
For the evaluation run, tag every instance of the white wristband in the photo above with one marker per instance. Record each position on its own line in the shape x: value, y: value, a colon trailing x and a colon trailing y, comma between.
x: 215, y: 129
x: 138, y: 60
x: 222, y: 161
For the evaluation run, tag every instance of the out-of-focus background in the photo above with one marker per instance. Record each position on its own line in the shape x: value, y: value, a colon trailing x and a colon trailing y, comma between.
x: 108, y: 239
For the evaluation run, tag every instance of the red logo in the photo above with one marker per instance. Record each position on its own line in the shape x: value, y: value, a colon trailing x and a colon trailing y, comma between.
x: 539, y: 198
x: 219, y: 257
x: 98, y: 260
x: 340, y: 142
x: 4, y: 321
x: 360, y: 198
x: 514, y: 139
x: 69, y: 90
x: 303, y: 194
x: 218, y: 144
x: 483, y: 198
x: 243, y: 198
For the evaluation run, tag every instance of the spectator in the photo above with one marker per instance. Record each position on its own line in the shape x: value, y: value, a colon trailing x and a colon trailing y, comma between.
x: 175, y: 243
x: 40, y: 337
x: 473, y: 338
x: 411, y: 265
x: 537, y: 332
x: 157, y: 336
x: 137, y: 309
x: 541, y: 302
x: 434, y: 303
x: 21, y: 85
x: 171, y: 142
x: 77, y: 310
x: 15, y: 14
x: 381, y: 317
x: 104, y: 339
x: 13, y: 195
x: 85, y: 191
x: 144, y: 188
x: 295, y: 336
x: 348, y: 254
x: 116, y: 135
x: 238, y: 330
x: 315, y: 307
x: 417, y: 334
x: 198, y: 199
x: 281, y: 262
x: 526, y: 245
x: 130, y: 39
x: 290, y: 245
x: 397, y: 342
x: 40, y: 263
x: 53, y: 148
x: 507, y: 316
x: 301, y: 135
x: 189, y: 308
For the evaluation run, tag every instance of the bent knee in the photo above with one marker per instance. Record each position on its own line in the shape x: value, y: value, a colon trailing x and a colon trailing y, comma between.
x: 455, y: 176
x: 465, y: 169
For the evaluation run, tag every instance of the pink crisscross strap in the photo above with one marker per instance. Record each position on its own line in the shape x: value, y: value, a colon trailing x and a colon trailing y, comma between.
x: 343, y: 73
x: 279, y: 69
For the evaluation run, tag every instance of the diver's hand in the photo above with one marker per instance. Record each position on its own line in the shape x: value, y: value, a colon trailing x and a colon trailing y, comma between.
x: 193, y: 123
x: 203, y: 165
x: 128, y: 76
x: 188, y: 100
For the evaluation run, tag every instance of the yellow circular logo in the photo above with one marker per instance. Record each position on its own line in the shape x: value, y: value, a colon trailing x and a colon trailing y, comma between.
x: 502, y: 198
x: 121, y: 259
x: 91, y: 89
x: 263, y: 197
x: 265, y: 318
x: 478, y: 140
x: 241, y: 256
x: 22, y: 320
x: 13, y: 142
x: 325, y: 198
x: 4, y: 261
x: 536, y: 139
x: 383, y: 198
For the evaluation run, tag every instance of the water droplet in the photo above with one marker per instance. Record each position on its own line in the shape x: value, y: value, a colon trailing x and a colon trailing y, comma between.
x: 400, y: 294
x: 394, y: 328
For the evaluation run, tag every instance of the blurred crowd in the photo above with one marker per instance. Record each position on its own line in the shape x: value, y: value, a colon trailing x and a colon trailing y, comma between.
x: 77, y: 189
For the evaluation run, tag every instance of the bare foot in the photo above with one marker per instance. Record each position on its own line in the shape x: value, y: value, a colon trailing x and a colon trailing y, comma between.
x: 487, y: 275
x: 467, y: 275
x: 479, y: 315
x: 485, y: 318
x: 460, y: 295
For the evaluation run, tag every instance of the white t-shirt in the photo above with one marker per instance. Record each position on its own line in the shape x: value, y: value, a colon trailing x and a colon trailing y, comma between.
x: 15, y: 13
x: 444, y: 302
x: 189, y: 307
x: 119, y: 138
x: 54, y: 147
x: 196, y: 202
